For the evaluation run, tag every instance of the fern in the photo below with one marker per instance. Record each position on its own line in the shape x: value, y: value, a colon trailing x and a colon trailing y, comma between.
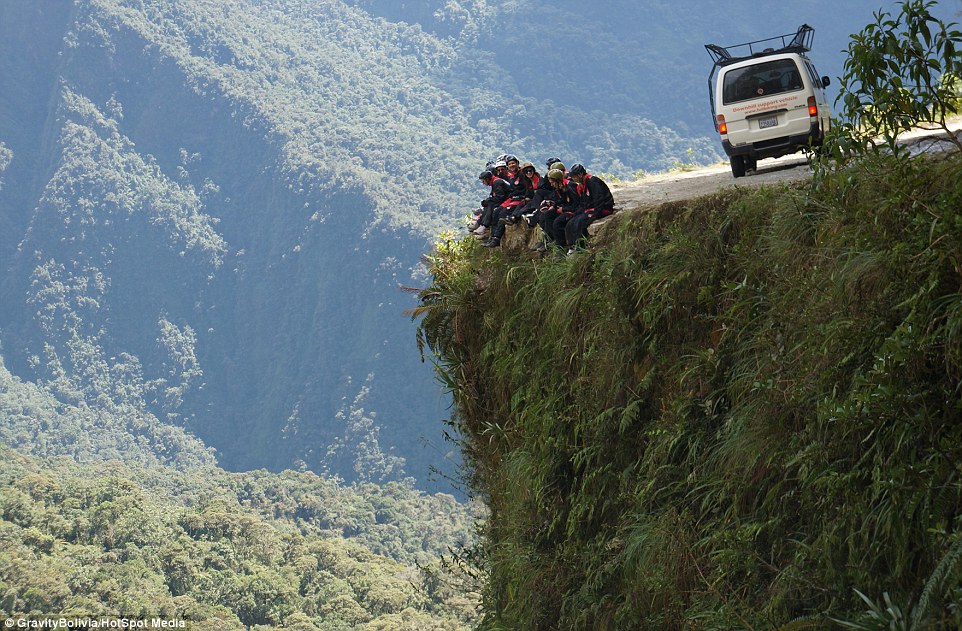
x: 935, y: 587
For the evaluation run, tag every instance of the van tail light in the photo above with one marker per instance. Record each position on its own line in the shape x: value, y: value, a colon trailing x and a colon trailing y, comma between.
x: 812, y: 106
x: 722, y: 126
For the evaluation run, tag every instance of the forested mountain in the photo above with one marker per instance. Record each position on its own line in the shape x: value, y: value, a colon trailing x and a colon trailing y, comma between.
x: 228, y: 550
x: 206, y: 208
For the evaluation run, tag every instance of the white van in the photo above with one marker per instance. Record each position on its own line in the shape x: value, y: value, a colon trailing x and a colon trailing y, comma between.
x: 767, y: 103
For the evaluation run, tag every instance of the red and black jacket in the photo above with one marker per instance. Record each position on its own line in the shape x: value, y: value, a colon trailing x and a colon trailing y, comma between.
x: 595, y: 197
x: 516, y: 194
x: 500, y: 191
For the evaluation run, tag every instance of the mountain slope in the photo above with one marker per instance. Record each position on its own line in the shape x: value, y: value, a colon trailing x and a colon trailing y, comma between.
x: 163, y: 210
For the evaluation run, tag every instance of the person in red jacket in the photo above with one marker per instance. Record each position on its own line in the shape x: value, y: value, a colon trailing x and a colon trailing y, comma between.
x: 512, y: 170
x: 595, y: 202
x: 515, y: 178
x: 525, y: 181
x: 531, y: 182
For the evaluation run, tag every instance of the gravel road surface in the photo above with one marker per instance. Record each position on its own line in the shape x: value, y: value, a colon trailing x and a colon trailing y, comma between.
x: 677, y: 186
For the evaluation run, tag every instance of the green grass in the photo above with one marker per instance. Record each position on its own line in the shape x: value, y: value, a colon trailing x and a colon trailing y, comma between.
x: 734, y: 414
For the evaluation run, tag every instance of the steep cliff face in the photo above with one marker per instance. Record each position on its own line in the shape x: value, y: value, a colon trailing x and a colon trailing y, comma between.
x: 732, y: 413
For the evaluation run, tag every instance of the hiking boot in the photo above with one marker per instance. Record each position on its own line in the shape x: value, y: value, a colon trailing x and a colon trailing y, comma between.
x: 481, y: 231
x: 507, y: 221
x: 529, y: 219
x: 493, y: 242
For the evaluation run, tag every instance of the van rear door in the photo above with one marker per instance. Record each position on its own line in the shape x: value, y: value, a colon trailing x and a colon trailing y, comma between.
x: 764, y: 100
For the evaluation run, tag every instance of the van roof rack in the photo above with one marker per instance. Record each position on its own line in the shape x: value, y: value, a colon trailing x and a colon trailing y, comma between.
x: 798, y: 42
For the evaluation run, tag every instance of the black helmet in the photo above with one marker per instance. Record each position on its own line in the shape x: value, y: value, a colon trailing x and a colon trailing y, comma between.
x: 485, y: 175
x: 577, y: 169
x: 551, y: 161
x: 510, y: 157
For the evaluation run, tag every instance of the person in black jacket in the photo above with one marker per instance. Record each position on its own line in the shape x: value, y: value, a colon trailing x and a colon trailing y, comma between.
x: 529, y: 191
x: 500, y: 191
x: 559, y: 207
x: 524, y: 189
x: 595, y: 202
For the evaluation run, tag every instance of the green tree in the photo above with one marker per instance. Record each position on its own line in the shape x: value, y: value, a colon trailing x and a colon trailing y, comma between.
x: 902, y: 72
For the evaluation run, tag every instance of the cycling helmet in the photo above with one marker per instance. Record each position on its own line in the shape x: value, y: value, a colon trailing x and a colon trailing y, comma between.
x: 485, y: 175
x: 510, y: 157
x: 551, y: 161
x: 577, y: 169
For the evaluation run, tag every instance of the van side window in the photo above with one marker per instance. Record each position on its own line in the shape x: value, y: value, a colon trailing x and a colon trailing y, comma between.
x: 761, y: 80
x: 813, y: 74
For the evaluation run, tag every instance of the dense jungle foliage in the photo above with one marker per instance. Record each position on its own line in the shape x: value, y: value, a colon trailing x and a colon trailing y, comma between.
x: 227, y: 551
x: 740, y: 411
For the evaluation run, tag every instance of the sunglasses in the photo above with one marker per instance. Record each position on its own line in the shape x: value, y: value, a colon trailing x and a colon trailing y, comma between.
x: 529, y: 170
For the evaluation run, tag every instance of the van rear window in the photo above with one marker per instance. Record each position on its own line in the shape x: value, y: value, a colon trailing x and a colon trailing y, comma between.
x: 761, y: 80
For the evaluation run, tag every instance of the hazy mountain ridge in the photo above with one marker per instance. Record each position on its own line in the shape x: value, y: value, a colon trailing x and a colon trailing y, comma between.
x: 299, y: 68
x: 100, y: 207
x: 147, y: 278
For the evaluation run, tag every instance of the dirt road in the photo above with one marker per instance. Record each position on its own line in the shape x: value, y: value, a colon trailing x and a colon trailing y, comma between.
x: 678, y: 186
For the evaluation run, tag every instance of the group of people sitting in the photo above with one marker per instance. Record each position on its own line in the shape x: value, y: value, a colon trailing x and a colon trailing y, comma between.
x: 564, y: 202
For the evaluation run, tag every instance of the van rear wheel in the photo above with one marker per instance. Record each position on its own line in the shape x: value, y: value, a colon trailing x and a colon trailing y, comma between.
x: 738, y: 165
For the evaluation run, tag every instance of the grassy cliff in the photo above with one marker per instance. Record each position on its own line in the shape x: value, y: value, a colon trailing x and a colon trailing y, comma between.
x: 740, y: 411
